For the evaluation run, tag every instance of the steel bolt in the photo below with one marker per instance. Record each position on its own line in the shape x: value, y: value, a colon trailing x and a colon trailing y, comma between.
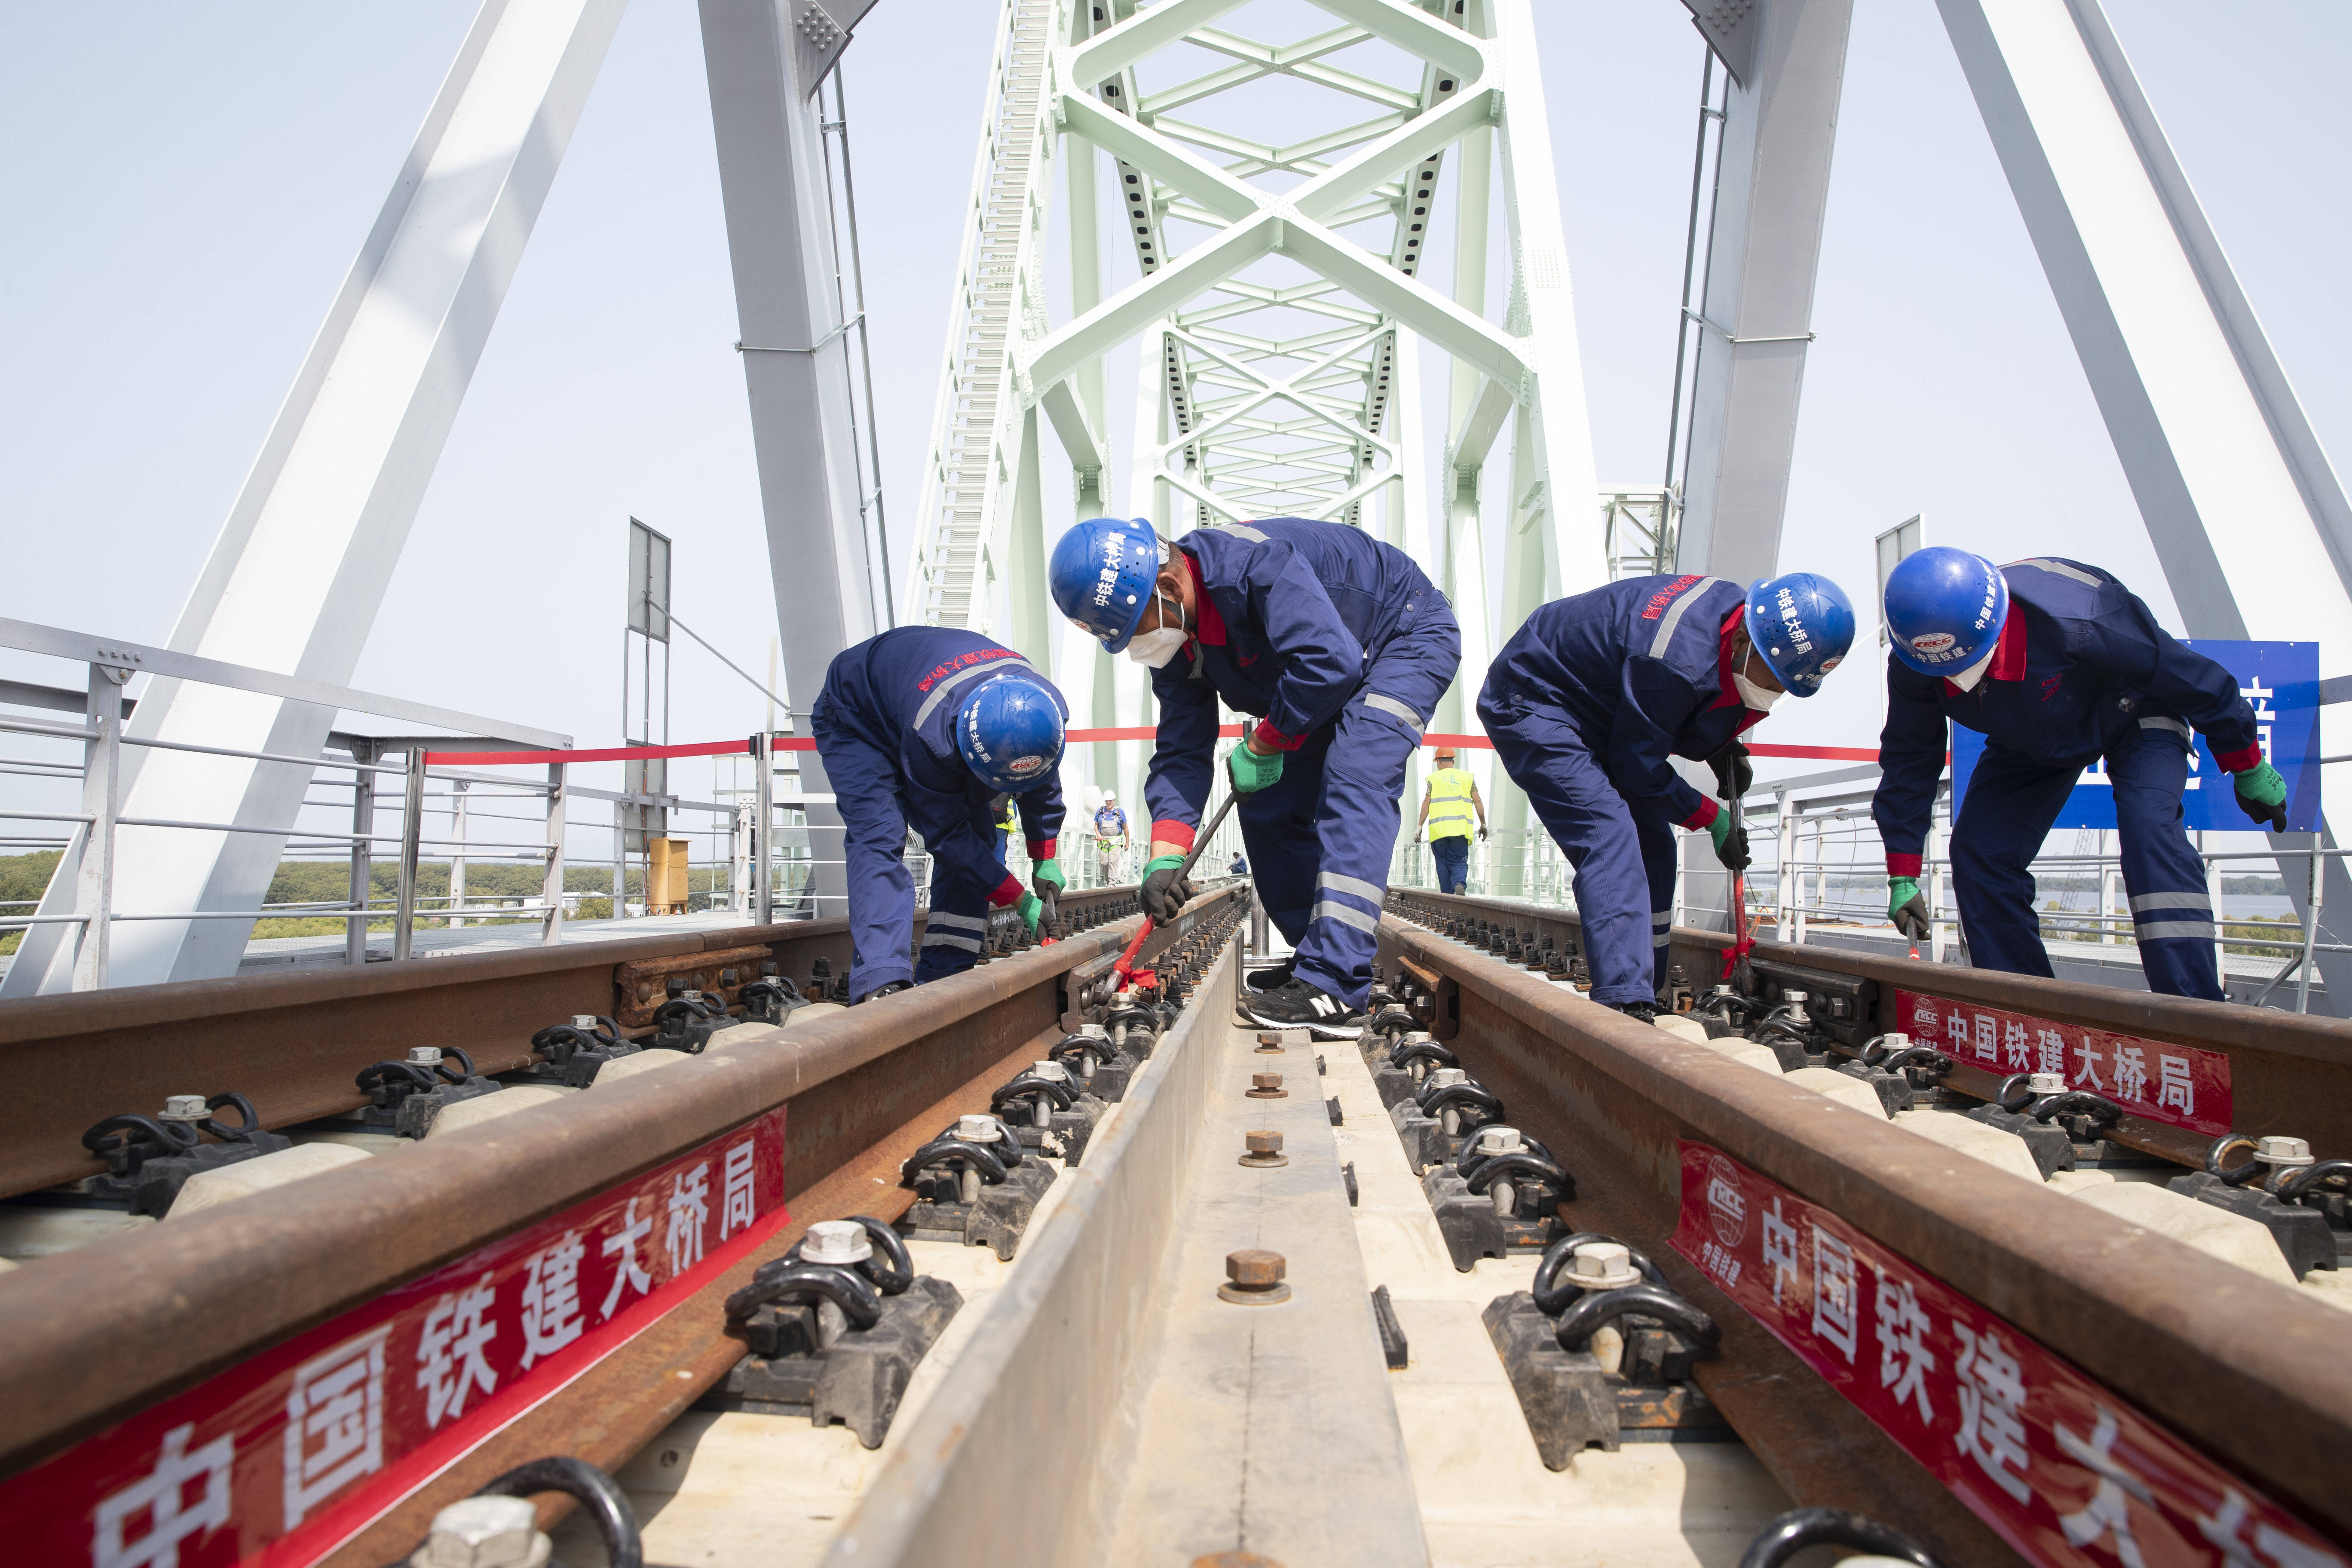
x: 1266, y: 1085
x: 837, y: 1241
x: 1254, y: 1277
x: 1265, y: 1149
x: 1604, y: 1266
x: 583, y: 1021
x: 1499, y: 1140
x: 184, y: 1108
x: 1254, y: 1267
x: 2047, y: 1083
x: 978, y: 1129
x: 2283, y: 1151
x: 425, y: 1055
x: 484, y: 1532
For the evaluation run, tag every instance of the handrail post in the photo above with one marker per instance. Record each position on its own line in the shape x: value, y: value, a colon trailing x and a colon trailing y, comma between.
x: 362, y: 889
x: 551, y: 930
x: 2317, y: 868
x: 456, y: 899
x: 764, y: 893
x: 412, y: 832
x: 2221, y: 929
x: 1784, y: 894
x: 101, y: 795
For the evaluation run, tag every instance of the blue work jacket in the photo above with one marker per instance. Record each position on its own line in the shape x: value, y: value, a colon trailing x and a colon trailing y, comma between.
x: 1291, y: 613
x: 900, y: 693
x: 1643, y: 669
x: 2081, y: 661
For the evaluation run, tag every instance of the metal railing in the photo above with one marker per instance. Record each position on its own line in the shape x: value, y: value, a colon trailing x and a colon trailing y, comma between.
x: 1820, y: 865
x: 86, y: 902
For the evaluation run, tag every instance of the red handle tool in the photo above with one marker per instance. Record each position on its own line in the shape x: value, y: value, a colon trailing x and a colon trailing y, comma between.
x: 1126, y: 964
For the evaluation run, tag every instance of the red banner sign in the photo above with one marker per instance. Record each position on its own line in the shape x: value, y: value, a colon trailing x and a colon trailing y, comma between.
x: 286, y: 1457
x: 2062, y: 1469
x: 2178, y: 1085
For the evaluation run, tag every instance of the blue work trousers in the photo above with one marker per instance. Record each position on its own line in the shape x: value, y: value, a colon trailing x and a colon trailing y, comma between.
x: 2010, y: 803
x: 1452, y: 856
x: 865, y: 784
x: 1623, y: 857
x: 1320, y: 837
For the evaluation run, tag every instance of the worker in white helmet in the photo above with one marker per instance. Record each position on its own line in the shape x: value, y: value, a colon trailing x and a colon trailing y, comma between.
x: 1111, y: 840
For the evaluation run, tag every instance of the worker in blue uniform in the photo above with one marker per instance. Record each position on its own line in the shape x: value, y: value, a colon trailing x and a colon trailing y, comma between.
x: 2057, y: 665
x: 925, y: 726
x: 1340, y: 647
x: 1590, y: 698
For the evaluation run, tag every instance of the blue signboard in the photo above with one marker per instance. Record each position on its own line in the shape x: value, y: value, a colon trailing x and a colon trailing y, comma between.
x: 2279, y: 679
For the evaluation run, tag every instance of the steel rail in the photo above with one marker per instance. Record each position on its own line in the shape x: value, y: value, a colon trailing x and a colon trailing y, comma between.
x: 95, y: 1334
x: 293, y: 1042
x: 2290, y: 1073
x: 2250, y: 1370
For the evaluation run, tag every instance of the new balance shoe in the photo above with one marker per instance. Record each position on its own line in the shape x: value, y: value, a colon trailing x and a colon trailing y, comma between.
x: 1296, y: 1004
x: 1271, y: 979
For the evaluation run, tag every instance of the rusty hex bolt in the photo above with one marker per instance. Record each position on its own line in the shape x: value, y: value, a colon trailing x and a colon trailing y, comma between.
x: 1264, y: 1149
x: 1254, y: 1277
x: 1266, y: 1085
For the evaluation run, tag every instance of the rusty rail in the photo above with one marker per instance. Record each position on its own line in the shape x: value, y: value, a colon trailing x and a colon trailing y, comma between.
x: 293, y: 1042
x: 2250, y: 1370
x: 95, y: 1333
x: 2291, y: 1073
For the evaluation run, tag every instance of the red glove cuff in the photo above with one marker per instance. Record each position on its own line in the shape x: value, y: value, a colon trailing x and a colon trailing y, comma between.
x: 1042, y: 849
x: 1008, y: 891
x: 1179, y: 834
x: 1703, y: 817
x: 1267, y: 735
x: 1902, y: 864
x: 2239, y: 762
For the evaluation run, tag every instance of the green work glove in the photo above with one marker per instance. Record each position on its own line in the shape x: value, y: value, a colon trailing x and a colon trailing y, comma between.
x: 2261, y: 794
x: 1029, y: 909
x: 1046, y: 880
x: 1164, y: 887
x: 1251, y: 772
x: 1730, y: 836
x: 1905, y: 908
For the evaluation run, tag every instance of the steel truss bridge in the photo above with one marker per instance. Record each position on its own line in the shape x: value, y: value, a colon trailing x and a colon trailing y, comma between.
x: 1273, y: 290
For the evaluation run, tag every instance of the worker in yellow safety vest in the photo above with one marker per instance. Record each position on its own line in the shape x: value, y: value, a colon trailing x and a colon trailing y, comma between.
x: 1445, y: 812
x: 1008, y: 820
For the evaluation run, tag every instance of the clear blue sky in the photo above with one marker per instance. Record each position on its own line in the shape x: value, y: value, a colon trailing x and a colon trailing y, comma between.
x: 185, y: 187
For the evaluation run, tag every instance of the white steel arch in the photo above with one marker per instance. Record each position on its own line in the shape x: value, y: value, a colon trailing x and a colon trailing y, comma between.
x: 1275, y: 298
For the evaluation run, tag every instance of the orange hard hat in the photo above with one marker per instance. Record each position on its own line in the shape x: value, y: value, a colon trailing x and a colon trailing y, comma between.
x: 1445, y: 753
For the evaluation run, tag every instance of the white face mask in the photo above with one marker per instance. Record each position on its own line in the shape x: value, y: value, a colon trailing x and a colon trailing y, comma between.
x: 1967, y: 679
x: 1157, y: 647
x: 1753, y: 695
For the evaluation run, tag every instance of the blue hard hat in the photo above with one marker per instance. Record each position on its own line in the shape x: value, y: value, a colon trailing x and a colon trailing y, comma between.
x: 1802, y: 624
x: 1009, y: 732
x: 1943, y: 608
x: 1101, y: 576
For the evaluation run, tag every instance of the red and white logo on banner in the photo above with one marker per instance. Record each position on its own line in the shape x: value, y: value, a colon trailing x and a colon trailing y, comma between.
x: 2178, y: 1085
x: 285, y: 1457
x: 2067, y: 1472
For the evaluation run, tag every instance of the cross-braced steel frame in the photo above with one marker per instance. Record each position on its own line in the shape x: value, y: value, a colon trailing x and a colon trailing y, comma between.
x: 1278, y: 200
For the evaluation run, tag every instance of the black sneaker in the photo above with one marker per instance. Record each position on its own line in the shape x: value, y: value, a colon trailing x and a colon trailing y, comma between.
x: 890, y: 990
x: 1297, y: 1005
x: 1271, y: 979
x: 1640, y: 1012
